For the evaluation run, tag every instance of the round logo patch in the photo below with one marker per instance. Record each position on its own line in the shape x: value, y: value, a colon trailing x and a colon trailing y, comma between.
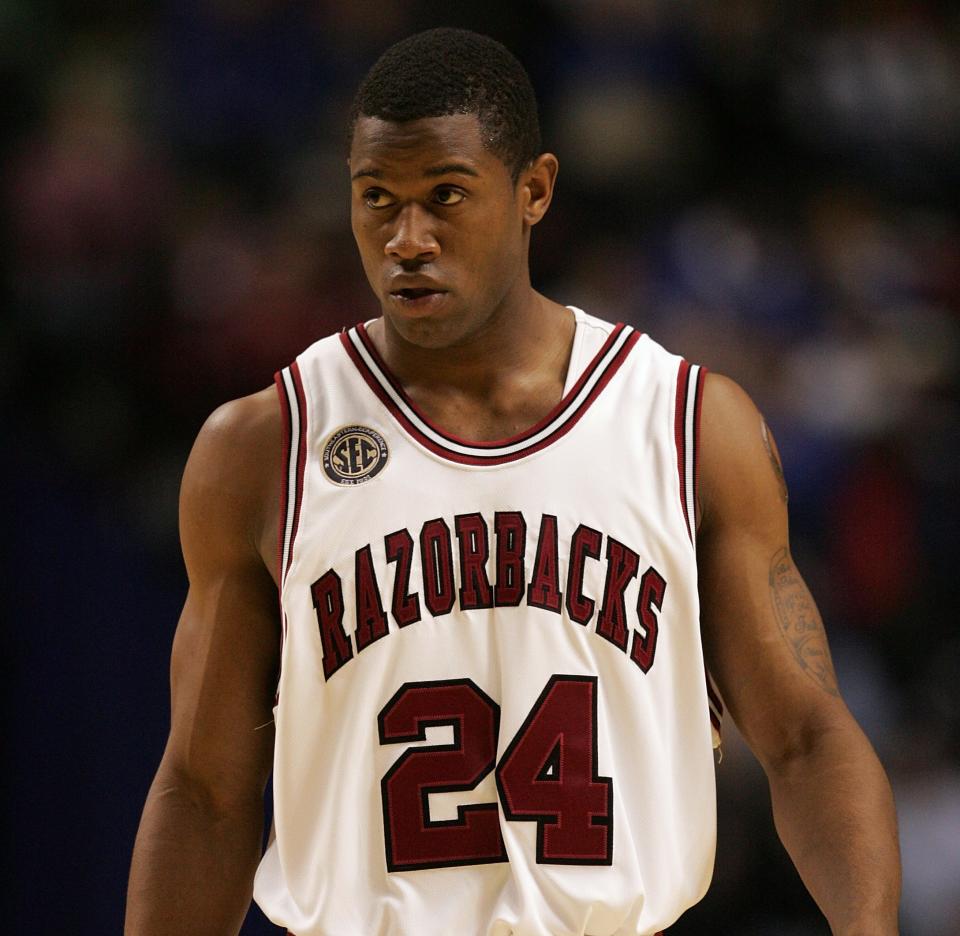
x: 354, y: 454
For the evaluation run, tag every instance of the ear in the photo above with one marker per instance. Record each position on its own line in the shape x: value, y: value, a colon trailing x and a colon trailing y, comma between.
x: 536, y: 187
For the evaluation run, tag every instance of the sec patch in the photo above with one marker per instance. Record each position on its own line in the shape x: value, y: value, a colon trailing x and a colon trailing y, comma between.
x: 354, y: 454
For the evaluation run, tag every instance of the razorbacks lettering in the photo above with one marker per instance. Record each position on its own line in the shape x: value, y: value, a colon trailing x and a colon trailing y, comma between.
x: 546, y: 586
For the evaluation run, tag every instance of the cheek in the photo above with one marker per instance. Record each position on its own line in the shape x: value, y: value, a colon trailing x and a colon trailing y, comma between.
x: 502, y: 245
x: 365, y: 237
x: 361, y: 230
x: 498, y: 232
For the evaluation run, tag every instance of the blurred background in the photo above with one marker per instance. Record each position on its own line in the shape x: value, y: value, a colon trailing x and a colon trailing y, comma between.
x: 773, y: 193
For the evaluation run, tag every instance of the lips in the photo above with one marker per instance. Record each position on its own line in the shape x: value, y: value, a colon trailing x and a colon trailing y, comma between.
x: 417, y: 300
x: 413, y: 286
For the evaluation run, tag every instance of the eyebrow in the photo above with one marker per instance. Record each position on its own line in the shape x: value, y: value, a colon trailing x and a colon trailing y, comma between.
x: 431, y: 173
x: 451, y: 169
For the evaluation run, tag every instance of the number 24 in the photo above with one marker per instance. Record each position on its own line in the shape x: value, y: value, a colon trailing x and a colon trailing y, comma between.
x: 548, y: 775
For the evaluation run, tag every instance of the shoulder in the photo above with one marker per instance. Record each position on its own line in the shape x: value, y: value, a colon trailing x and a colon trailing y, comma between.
x: 242, y: 425
x: 728, y: 413
x: 230, y: 491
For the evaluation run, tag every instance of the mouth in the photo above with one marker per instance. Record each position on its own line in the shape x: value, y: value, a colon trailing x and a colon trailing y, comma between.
x: 411, y: 295
x: 417, y: 298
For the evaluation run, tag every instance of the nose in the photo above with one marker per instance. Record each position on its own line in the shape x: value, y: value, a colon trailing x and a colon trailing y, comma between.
x: 413, y: 237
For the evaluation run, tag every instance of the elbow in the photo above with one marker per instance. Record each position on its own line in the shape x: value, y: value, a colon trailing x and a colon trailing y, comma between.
x: 825, y: 734
x: 216, y: 801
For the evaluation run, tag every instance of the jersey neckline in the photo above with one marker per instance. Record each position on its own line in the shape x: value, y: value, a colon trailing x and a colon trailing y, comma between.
x: 553, y: 426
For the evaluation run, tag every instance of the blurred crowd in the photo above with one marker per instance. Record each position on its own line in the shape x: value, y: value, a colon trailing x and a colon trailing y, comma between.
x: 773, y: 193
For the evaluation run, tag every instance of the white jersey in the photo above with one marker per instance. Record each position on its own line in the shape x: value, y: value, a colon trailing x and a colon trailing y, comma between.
x: 492, y: 714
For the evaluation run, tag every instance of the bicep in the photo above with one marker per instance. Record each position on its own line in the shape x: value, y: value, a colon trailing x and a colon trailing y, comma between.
x: 225, y: 656
x: 222, y: 679
x: 763, y: 636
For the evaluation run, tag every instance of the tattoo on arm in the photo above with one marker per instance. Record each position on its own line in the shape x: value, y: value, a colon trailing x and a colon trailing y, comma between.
x: 799, y: 621
x: 771, y: 446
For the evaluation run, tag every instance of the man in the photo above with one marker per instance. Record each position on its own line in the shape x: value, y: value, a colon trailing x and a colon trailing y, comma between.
x: 504, y: 527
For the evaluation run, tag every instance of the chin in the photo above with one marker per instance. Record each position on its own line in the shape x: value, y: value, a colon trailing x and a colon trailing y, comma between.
x: 425, y: 330
x: 424, y: 333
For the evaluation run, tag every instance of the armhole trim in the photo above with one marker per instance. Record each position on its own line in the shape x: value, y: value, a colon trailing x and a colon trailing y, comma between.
x: 689, y: 398
x: 715, y: 705
x: 293, y: 404
x: 697, y: 406
x: 293, y: 410
x: 714, y: 699
x: 285, y: 418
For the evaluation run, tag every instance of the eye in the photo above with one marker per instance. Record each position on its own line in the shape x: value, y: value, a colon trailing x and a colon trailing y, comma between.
x: 377, y: 198
x: 448, y: 196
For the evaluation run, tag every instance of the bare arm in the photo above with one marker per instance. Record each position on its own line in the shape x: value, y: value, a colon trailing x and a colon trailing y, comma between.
x: 200, y: 835
x: 767, y: 649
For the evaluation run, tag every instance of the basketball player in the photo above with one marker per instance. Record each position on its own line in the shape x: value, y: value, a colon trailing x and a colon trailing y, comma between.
x: 514, y: 539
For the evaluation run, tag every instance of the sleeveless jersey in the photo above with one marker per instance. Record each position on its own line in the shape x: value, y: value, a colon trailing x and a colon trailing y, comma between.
x: 492, y: 713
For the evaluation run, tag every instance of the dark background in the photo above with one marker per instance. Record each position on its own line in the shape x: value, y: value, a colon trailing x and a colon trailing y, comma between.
x: 774, y: 194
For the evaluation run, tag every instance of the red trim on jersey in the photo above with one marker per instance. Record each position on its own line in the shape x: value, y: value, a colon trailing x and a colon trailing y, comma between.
x: 714, y: 697
x: 564, y: 415
x: 286, y: 418
x: 301, y: 456
x: 286, y: 410
x: 697, y: 404
x: 285, y: 454
x: 680, y: 437
x: 499, y: 443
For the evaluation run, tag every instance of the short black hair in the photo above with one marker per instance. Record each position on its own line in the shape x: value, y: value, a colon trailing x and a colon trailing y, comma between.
x: 455, y: 71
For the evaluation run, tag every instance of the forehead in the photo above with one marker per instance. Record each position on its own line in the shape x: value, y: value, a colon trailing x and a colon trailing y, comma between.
x: 412, y: 148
